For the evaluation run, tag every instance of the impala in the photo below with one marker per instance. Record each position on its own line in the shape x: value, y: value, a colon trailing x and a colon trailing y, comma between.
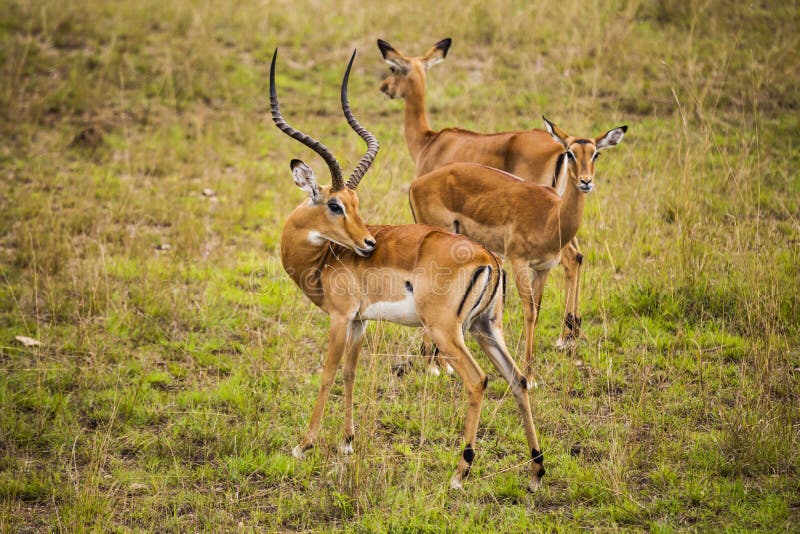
x: 527, y: 223
x: 533, y: 155
x: 414, y: 275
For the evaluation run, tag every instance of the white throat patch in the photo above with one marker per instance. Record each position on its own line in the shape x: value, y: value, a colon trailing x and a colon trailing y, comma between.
x: 315, y: 238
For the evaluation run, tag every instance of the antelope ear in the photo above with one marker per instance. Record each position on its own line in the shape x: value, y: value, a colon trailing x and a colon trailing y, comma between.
x: 385, y: 48
x: 555, y: 132
x: 305, y: 179
x: 610, y: 138
x: 392, y: 56
x: 437, y: 54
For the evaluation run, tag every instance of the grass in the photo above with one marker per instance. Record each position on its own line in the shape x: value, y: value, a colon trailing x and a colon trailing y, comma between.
x: 144, y: 189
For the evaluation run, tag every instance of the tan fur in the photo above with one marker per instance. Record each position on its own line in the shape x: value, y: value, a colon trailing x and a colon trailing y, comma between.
x: 438, y: 266
x: 530, y: 154
x: 527, y: 223
x: 415, y: 274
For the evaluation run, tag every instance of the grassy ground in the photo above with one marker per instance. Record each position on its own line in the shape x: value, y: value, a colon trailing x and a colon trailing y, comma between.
x: 143, y: 193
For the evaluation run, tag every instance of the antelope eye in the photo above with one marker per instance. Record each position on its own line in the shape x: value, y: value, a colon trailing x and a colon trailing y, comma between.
x: 393, y: 69
x: 335, y: 208
x: 596, y: 155
x: 571, y: 155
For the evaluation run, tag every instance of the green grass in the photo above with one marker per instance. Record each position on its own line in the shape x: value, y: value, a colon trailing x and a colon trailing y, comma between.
x: 179, y: 364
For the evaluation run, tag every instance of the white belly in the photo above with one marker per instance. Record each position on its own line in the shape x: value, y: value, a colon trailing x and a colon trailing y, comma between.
x: 397, y: 311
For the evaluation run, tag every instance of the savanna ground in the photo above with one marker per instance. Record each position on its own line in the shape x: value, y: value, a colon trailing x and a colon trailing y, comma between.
x: 143, y: 192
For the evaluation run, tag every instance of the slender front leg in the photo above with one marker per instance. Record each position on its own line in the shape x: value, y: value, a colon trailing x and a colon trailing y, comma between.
x: 356, y: 335
x: 522, y: 279
x: 539, y: 281
x: 336, y: 345
x: 571, y: 260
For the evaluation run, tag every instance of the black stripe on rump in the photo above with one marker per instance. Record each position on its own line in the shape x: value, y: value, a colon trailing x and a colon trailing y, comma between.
x: 483, y: 290
x: 494, y: 289
x: 475, y: 276
x: 500, y: 275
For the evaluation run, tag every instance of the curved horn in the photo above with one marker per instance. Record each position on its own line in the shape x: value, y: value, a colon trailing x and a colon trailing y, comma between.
x: 310, y: 142
x: 372, y: 142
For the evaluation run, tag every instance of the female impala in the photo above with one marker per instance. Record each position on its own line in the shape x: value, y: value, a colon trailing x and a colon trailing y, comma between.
x: 532, y: 155
x: 530, y: 224
x: 413, y: 275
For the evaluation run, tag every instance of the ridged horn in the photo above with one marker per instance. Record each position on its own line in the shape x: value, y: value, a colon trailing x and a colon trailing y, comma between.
x: 310, y: 142
x: 372, y: 142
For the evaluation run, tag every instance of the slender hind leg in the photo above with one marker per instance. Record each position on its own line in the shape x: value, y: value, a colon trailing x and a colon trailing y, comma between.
x: 488, y: 331
x: 454, y: 351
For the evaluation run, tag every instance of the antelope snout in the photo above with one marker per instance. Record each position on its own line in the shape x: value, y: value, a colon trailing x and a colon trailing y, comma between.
x: 368, y: 248
x: 585, y: 184
x: 386, y: 88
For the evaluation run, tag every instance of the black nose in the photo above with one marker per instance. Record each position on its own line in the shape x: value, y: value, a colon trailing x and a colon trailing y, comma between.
x: 370, y: 243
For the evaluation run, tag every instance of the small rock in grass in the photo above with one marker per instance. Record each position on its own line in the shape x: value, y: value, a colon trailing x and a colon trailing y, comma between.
x: 28, y: 341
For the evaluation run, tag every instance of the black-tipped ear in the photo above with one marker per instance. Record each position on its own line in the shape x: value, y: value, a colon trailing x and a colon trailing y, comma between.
x: 385, y: 48
x: 444, y: 46
x: 392, y: 56
x: 437, y: 53
x: 555, y: 132
x: 611, y: 137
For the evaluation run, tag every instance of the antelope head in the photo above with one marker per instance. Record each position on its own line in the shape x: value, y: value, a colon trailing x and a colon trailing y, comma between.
x: 407, y: 71
x: 582, y: 153
x: 331, y: 212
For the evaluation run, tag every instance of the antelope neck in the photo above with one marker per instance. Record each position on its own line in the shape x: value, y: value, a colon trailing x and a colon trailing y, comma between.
x: 417, y: 129
x: 570, y: 213
x: 304, y: 260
